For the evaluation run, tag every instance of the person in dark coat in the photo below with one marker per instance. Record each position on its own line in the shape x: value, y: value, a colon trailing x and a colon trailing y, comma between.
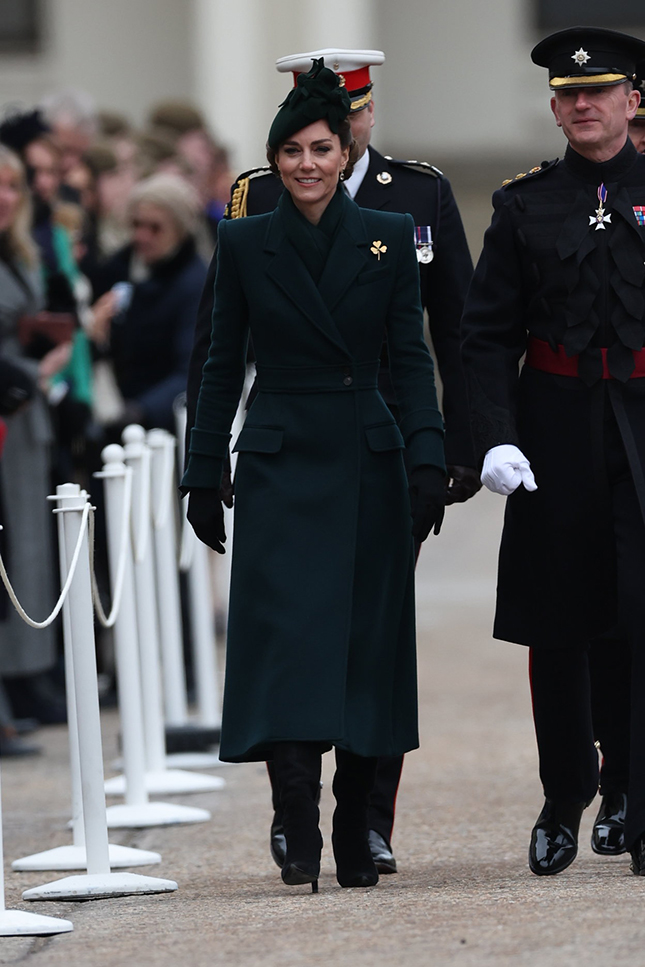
x: 321, y: 645
x: 148, y: 336
x: 609, y: 667
x: 445, y: 265
x: 560, y: 279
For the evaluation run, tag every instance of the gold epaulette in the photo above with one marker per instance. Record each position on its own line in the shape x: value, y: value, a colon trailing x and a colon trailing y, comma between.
x: 532, y: 171
x: 236, y: 207
x: 423, y: 166
x: 237, y: 204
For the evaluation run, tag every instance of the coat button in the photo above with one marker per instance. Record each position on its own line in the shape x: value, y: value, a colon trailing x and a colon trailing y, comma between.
x: 348, y: 381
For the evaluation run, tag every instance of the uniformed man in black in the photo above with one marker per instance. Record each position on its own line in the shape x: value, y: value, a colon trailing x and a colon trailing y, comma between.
x: 560, y: 281
x: 445, y: 267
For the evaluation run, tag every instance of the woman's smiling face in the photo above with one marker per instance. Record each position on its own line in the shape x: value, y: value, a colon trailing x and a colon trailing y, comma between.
x: 310, y: 163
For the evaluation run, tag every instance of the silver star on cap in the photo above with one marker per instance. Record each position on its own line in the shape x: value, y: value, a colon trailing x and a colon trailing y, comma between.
x: 581, y: 57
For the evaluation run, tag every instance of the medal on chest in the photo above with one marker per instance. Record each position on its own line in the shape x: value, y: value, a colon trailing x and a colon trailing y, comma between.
x: 600, y: 219
x: 423, y: 239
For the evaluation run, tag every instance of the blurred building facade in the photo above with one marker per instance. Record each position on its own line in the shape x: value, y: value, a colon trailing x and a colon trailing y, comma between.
x: 457, y: 87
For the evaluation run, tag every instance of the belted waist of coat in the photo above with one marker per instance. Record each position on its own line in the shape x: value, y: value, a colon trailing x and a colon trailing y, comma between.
x: 540, y: 355
x: 318, y: 379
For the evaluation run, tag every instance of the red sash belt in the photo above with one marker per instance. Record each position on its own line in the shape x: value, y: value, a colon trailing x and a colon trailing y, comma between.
x: 539, y: 355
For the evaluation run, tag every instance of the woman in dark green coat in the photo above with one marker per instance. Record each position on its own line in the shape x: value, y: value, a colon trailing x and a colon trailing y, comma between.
x: 321, y: 636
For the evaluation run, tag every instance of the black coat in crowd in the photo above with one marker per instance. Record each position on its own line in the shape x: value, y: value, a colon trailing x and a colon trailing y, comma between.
x: 151, y: 341
x: 546, y: 270
x: 395, y: 186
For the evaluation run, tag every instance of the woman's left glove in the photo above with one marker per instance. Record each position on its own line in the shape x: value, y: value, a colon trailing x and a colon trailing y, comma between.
x: 206, y: 515
x: 427, y: 488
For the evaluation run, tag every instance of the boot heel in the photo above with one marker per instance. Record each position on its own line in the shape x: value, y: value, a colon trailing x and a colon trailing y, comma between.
x: 314, y: 886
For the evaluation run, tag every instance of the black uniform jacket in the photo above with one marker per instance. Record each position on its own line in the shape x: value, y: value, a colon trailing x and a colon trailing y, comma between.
x: 321, y: 643
x: 547, y: 270
x: 395, y: 186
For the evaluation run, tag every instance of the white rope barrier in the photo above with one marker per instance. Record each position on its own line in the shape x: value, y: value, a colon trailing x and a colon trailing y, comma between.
x: 87, y: 510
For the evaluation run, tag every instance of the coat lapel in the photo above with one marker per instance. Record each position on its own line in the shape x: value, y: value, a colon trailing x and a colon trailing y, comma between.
x: 288, y: 271
x: 348, y: 255
x: 371, y: 193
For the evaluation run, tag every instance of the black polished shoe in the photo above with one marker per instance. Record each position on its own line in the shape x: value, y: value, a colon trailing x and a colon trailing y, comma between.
x: 554, y: 838
x: 278, y: 843
x: 608, y: 834
x: 637, y: 851
x: 382, y: 854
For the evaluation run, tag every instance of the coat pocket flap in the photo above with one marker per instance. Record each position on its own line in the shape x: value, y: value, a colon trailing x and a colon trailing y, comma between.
x: 259, y: 439
x: 384, y: 436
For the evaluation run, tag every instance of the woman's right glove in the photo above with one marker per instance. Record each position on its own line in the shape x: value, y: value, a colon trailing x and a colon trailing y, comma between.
x: 206, y: 515
x: 427, y: 487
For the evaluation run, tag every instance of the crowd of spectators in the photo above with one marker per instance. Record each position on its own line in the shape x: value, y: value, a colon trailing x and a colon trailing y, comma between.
x: 105, y: 233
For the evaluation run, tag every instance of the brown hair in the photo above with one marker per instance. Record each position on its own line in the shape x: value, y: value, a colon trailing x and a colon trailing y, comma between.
x: 346, y: 141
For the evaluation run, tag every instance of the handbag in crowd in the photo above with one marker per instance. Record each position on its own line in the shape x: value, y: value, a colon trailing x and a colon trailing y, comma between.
x: 55, y: 327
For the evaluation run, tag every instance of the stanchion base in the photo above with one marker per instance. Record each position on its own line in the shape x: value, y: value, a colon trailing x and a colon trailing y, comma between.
x: 153, y: 814
x: 185, y: 760
x: 195, y: 760
x: 95, y: 886
x: 167, y: 782
x: 75, y: 858
x: 19, y: 923
x: 191, y: 738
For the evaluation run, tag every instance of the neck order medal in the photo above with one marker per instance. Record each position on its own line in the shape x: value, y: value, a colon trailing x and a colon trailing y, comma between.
x: 600, y: 218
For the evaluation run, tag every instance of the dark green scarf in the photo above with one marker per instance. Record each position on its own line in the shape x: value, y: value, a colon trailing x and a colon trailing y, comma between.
x: 312, y: 242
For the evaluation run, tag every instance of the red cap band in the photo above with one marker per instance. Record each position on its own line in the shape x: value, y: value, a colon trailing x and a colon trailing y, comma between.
x: 354, y: 80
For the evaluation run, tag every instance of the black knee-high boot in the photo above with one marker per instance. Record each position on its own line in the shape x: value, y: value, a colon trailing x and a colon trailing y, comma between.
x: 297, y: 767
x: 352, y: 786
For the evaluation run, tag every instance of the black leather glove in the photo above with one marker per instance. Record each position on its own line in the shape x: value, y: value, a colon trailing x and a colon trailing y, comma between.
x: 463, y: 483
x: 427, y: 487
x: 206, y: 515
x: 226, y: 484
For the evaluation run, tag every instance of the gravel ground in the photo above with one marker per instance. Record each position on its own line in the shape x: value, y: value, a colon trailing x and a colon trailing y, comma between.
x: 464, y: 895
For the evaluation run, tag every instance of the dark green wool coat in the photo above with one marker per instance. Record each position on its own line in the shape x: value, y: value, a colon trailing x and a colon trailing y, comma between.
x: 321, y: 637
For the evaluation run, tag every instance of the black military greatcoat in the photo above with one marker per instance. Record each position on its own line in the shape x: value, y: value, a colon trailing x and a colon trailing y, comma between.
x: 391, y: 186
x: 321, y: 641
x: 548, y: 270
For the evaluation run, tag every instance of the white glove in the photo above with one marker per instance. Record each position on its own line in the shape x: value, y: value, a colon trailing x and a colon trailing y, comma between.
x: 505, y: 468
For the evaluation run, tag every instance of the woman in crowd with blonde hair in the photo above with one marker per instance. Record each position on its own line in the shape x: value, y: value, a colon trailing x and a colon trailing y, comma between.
x: 149, y: 333
x: 25, y: 653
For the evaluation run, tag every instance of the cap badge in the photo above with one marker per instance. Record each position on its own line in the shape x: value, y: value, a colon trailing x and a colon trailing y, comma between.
x: 336, y: 65
x: 580, y: 57
x: 599, y: 219
x: 341, y: 81
x: 378, y: 249
x: 424, y: 245
x: 384, y: 178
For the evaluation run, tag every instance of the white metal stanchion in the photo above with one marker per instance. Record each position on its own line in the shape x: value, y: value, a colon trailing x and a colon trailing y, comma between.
x: 99, y: 881
x: 74, y: 856
x: 137, y: 810
x: 194, y: 562
x: 162, y: 446
x: 158, y: 779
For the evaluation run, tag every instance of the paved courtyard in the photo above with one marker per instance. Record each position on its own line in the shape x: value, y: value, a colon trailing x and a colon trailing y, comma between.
x: 464, y: 895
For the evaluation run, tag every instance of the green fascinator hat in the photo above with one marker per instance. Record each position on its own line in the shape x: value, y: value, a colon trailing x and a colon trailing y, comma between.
x: 319, y: 94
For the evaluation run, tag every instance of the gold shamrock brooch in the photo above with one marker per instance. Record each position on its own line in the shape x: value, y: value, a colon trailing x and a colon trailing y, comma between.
x: 378, y: 249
